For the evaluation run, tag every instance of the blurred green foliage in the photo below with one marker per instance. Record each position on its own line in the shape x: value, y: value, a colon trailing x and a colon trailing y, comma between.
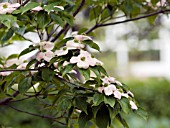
x: 153, y: 94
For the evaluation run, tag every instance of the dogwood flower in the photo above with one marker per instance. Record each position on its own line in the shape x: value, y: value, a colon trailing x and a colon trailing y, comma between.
x: 109, y: 89
x: 108, y: 80
x: 6, y: 7
x: 74, y: 44
x: 60, y: 7
x: 100, y: 89
x: 37, y: 9
x: 65, y: 63
x: 83, y: 60
x: 130, y: 93
x: 133, y: 105
x: 47, y: 56
x: 12, y: 61
x: 125, y: 95
x: 22, y: 66
x: 118, y: 83
x: 63, y: 51
x: 82, y: 37
x: 117, y: 94
x: 46, y: 46
x: 5, y: 73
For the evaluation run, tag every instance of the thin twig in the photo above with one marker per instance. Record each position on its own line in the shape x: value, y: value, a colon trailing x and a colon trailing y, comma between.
x: 66, y: 27
x: 37, y: 115
x: 10, y: 70
x: 7, y: 100
x: 127, y: 20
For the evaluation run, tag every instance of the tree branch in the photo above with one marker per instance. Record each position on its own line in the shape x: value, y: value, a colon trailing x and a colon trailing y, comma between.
x: 7, y: 100
x: 37, y: 115
x: 66, y: 27
x: 127, y: 20
x: 10, y: 70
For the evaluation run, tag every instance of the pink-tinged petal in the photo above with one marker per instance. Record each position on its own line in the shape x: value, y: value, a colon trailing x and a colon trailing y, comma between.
x: 37, y: 9
x: 117, y: 94
x: 74, y: 59
x: 112, y: 87
x: 40, y: 56
x: 111, y: 79
x: 55, y: 64
x: 65, y: 63
x: 60, y: 7
x: 125, y: 95
x: 75, y: 45
x: 100, y: 89
x: 5, y: 73
x: 118, y: 83
x: 15, y: 5
x: 85, y: 53
x: 82, y: 64
x: 130, y: 93
x: 46, y: 46
x: 105, y: 81
x: 61, y: 52
x: 91, y: 61
x: 22, y: 66
x: 48, y: 56
x: 82, y: 37
x: 108, y: 91
x: 133, y: 105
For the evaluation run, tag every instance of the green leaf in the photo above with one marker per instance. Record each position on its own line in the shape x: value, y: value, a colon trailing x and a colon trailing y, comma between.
x: 96, y: 71
x: 97, y: 99
x: 85, y: 73
x: 102, y: 70
x: 80, y: 103
x: 7, y: 20
x: 142, y: 113
x: 67, y: 68
x: 103, y: 117
x: 83, y: 119
x: 92, y: 44
x: 12, y: 56
x: 19, y: 31
x: 31, y: 63
x: 7, y: 36
x: 50, y: 7
x: 29, y: 6
x: 124, y: 103
x: 57, y: 19
x: 24, y: 84
x: 27, y: 50
x: 10, y: 80
x: 43, y: 19
x: 47, y: 74
x: 122, y: 121
x: 110, y: 101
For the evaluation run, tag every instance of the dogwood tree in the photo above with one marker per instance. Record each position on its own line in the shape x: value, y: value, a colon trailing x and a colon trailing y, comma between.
x: 62, y: 73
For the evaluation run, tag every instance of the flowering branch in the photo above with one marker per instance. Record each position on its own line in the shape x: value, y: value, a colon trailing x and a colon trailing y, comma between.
x: 127, y: 20
x: 7, y: 100
x: 66, y: 27
x: 37, y: 115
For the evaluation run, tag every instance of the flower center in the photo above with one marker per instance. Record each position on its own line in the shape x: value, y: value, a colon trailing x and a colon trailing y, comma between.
x: 76, y: 41
x: 83, y: 58
x: 5, y: 6
x: 64, y: 48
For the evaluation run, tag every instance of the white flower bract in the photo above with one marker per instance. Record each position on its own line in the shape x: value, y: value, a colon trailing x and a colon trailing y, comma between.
x: 133, y: 105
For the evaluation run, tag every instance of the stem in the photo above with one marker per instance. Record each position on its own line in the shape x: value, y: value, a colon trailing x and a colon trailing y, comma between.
x: 37, y: 115
x: 128, y: 20
x: 10, y: 70
x: 66, y: 27
x: 7, y: 100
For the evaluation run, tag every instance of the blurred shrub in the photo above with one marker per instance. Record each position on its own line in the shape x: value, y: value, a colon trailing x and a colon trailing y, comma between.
x: 153, y: 95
